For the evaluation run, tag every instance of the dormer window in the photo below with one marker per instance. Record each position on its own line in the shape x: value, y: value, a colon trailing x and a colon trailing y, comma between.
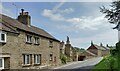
x: 2, y: 37
x: 28, y: 38
x: 36, y: 40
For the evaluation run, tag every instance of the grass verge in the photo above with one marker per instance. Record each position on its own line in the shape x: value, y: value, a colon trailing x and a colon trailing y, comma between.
x: 109, y: 63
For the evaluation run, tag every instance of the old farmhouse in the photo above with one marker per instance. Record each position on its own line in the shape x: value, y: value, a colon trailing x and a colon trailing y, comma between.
x: 23, y: 46
x: 98, y: 50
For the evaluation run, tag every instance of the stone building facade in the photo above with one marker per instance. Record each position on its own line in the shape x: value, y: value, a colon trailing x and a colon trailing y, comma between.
x: 62, y: 47
x: 75, y: 54
x: 87, y: 55
x: 98, y: 50
x: 68, y: 50
x: 23, y: 46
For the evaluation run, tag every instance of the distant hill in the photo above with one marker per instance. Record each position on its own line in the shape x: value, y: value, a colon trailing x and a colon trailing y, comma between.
x: 81, y: 50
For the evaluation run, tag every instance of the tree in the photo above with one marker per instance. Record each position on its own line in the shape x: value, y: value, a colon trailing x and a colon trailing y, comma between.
x: 112, y: 14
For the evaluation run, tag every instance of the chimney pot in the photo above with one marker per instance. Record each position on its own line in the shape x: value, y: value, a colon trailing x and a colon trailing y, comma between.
x: 26, y: 13
x: 22, y: 11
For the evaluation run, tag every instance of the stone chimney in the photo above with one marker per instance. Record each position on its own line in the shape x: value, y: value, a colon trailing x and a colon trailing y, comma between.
x: 62, y: 43
x: 91, y: 42
x: 101, y: 44
x: 107, y: 45
x: 68, y: 41
x: 24, y: 18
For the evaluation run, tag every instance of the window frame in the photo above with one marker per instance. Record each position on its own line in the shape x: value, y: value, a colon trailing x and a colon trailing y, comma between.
x: 5, y: 37
x: 51, y: 57
x: 2, y: 63
x: 28, y: 38
x: 25, y: 61
x: 36, y: 40
x: 51, y: 43
x: 36, y: 60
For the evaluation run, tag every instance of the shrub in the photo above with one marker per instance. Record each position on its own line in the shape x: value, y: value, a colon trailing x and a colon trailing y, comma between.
x: 63, y: 58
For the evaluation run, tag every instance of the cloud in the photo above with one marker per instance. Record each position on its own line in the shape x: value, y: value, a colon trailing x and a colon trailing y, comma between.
x: 88, y: 22
x: 84, y: 23
x: 104, y: 37
x: 50, y: 14
x: 94, y: 28
x: 67, y: 11
x: 55, y: 13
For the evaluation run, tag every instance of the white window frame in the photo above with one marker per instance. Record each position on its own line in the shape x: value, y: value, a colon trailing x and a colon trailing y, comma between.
x: 36, y: 40
x: 37, y: 59
x: 28, y: 38
x: 5, y: 38
x: 2, y: 63
x: 25, y: 59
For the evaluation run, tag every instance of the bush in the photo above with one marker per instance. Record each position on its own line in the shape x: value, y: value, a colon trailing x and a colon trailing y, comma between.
x: 113, y: 52
x: 63, y: 58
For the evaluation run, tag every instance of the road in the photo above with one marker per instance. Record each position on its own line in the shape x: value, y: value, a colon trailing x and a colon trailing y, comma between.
x: 82, y: 65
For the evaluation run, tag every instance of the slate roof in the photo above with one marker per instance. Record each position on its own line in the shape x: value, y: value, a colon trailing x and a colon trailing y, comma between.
x: 90, y: 53
x: 99, y: 47
x: 107, y: 48
x: 12, y: 25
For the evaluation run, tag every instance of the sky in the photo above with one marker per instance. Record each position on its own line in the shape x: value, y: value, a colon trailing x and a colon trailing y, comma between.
x: 81, y: 21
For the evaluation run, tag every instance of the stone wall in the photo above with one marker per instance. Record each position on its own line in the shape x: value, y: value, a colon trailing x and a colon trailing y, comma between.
x: 16, y: 46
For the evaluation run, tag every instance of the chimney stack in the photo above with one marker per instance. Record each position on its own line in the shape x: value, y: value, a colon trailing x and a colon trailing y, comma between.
x: 91, y: 42
x: 101, y: 44
x: 107, y: 45
x: 22, y: 11
x: 24, y: 18
x: 68, y: 41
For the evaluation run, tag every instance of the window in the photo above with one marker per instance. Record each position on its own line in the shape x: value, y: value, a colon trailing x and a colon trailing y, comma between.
x: 36, y: 40
x: 2, y: 37
x: 1, y: 63
x: 37, y: 58
x: 51, y: 57
x: 51, y: 43
x: 29, y: 39
x: 26, y: 59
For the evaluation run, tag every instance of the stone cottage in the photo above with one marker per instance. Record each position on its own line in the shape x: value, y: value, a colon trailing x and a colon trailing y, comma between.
x: 23, y: 46
x: 98, y: 50
x: 75, y: 54
x: 62, y: 47
x: 86, y: 55
x: 68, y: 50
